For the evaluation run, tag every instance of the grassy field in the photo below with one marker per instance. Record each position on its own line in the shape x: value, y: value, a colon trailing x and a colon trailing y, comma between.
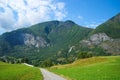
x: 19, y: 72
x: 96, y: 68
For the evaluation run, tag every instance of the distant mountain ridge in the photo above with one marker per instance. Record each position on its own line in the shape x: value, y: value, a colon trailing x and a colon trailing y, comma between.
x: 43, y: 40
x: 61, y: 42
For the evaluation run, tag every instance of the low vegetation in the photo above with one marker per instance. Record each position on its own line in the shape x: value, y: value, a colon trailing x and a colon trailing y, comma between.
x: 95, y: 68
x: 13, y: 60
x: 19, y: 72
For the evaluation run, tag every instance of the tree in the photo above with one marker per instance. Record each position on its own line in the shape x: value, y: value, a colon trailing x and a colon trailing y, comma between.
x: 47, y: 63
x: 84, y: 55
x: 25, y: 60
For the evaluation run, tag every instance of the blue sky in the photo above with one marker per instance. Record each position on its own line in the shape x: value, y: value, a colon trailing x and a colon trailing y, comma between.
x: 16, y: 14
x: 91, y: 13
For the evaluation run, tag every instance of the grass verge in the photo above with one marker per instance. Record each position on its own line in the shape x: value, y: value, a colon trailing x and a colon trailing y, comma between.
x: 19, y: 72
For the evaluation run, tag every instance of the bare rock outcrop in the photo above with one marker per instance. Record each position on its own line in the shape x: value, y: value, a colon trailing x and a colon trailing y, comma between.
x: 97, y: 39
x: 37, y: 41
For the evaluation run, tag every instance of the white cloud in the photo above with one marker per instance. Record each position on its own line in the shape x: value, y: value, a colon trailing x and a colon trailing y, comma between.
x: 7, y: 18
x: 22, y: 13
x: 60, y: 5
x: 93, y: 25
x: 80, y: 17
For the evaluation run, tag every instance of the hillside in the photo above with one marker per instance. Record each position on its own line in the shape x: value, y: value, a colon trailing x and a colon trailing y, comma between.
x: 42, y: 41
x: 106, y: 37
x: 110, y: 27
x: 96, y: 68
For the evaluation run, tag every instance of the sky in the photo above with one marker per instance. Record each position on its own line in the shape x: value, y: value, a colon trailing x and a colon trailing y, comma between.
x: 15, y: 14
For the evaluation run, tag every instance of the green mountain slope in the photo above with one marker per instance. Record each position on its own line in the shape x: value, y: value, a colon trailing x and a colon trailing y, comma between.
x: 105, y: 39
x: 110, y: 27
x: 42, y: 41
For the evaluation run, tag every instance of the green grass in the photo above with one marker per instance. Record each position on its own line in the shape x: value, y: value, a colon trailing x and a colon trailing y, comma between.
x: 96, y: 68
x: 19, y: 72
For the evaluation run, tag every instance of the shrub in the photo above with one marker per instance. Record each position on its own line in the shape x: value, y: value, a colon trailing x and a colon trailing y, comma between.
x: 84, y: 55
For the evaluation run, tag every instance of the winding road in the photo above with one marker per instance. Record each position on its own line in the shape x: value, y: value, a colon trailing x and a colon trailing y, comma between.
x: 47, y: 74
x: 50, y: 76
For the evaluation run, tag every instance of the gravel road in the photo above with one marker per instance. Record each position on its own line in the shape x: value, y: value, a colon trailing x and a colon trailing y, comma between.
x: 50, y: 76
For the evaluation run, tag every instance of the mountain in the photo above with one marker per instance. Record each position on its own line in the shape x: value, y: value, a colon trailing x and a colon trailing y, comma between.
x: 42, y: 42
x: 58, y: 42
x: 106, y: 36
x: 110, y: 27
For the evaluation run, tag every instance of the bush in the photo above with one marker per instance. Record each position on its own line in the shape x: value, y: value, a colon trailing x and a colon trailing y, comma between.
x: 47, y: 63
x: 84, y: 55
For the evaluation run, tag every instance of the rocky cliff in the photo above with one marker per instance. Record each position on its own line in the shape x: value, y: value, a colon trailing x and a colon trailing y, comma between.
x: 96, y: 39
x: 37, y: 41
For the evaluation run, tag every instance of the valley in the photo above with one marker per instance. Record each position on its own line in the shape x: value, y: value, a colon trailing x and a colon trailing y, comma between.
x: 100, y: 68
x: 59, y: 39
x: 72, y: 51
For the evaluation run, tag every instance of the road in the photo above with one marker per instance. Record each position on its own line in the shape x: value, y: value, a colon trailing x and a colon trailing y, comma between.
x: 28, y: 65
x: 50, y: 76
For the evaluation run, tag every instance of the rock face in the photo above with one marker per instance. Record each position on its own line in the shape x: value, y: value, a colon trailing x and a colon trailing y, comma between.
x: 112, y: 46
x: 108, y: 44
x: 31, y: 40
x: 97, y: 39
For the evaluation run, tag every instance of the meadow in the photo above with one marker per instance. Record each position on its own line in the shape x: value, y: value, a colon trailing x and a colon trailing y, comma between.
x: 19, y: 72
x: 95, y: 68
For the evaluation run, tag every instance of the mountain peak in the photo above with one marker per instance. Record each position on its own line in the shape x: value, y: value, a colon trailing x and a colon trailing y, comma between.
x: 69, y: 22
